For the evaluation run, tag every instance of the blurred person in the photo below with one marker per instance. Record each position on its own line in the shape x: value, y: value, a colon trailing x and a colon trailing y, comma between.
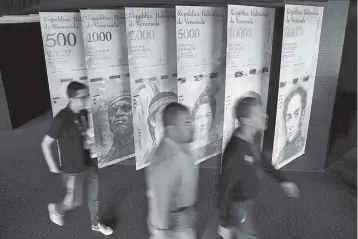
x: 239, y: 181
x: 78, y: 169
x: 172, y: 179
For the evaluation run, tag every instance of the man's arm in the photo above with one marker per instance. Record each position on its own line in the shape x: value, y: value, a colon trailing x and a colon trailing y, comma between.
x: 46, y: 150
x: 269, y: 168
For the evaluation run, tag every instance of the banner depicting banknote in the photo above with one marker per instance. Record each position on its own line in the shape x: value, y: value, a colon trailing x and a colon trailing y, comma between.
x: 200, y: 34
x: 249, y: 49
x: 152, y: 66
x: 106, y: 54
x: 64, y: 55
x: 300, y: 45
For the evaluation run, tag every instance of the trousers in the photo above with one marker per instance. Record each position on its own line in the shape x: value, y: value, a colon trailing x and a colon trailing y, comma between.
x: 241, y: 221
x: 75, y: 186
x: 181, y: 225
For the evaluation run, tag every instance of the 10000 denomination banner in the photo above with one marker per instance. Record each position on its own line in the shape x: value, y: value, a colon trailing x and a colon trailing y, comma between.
x: 200, y: 34
x: 105, y: 43
x: 300, y: 45
x: 152, y: 64
x: 249, y: 49
x: 64, y: 55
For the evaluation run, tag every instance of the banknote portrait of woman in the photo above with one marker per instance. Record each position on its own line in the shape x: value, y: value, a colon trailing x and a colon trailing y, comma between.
x: 293, y: 116
x: 203, y: 114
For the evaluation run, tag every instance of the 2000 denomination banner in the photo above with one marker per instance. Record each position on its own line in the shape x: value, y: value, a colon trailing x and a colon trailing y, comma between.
x: 64, y: 55
x: 300, y: 45
x: 105, y: 42
x: 152, y: 64
x: 249, y: 47
x: 200, y: 33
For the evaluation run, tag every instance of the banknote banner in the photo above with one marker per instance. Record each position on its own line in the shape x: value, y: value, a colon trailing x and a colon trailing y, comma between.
x: 152, y: 67
x: 106, y: 58
x: 200, y: 40
x: 300, y: 45
x: 248, y: 59
x: 65, y: 60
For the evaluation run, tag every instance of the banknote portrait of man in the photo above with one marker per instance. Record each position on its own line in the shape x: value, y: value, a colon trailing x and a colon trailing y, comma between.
x: 293, y: 115
x: 203, y: 113
x: 121, y: 126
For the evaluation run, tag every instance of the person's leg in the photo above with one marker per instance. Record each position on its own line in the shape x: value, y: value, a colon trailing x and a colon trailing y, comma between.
x: 93, y: 202
x: 244, y: 220
x: 185, y: 222
x: 73, y: 198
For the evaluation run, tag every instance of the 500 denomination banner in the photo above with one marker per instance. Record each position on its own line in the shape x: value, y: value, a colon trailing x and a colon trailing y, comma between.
x: 152, y: 64
x: 200, y: 34
x: 300, y: 45
x: 249, y: 49
x: 64, y: 55
x: 105, y: 44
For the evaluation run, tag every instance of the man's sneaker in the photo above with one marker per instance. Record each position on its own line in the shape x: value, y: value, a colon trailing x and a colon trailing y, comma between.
x: 55, y: 217
x: 102, y: 229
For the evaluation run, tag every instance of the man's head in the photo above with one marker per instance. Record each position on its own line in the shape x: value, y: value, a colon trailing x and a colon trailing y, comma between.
x: 203, y: 113
x: 120, y: 116
x: 78, y: 95
x: 248, y: 111
x: 294, y: 111
x: 155, y: 113
x: 178, y: 123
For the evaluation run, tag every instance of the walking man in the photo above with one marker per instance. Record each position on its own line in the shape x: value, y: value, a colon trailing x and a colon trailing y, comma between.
x: 172, y: 179
x: 69, y: 127
x: 239, y: 181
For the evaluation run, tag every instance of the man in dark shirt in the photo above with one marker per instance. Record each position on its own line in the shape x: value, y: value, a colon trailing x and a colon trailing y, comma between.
x: 70, y: 127
x: 239, y: 181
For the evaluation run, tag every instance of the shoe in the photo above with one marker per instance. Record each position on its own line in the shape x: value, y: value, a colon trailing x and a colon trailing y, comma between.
x: 102, y: 229
x: 55, y: 217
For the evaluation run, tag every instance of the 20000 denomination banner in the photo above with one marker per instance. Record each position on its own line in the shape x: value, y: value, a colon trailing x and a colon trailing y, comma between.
x: 152, y: 65
x: 300, y: 45
x: 105, y: 43
x: 249, y: 47
x: 64, y: 55
x: 200, y: 34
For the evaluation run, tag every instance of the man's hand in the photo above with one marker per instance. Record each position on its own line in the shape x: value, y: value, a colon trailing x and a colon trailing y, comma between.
x: 290, y: 189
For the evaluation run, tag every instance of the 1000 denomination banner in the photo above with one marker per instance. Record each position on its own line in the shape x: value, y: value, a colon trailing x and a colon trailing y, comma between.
x: 300, y: 45
x: 64, y: 55
x: 152, y: 64
x: 249, y: 49
x: 105, y: 43
x: 200, y: 34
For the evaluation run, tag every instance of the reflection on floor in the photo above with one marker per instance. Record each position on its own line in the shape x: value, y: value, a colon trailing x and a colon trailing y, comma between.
x: 325, y: 209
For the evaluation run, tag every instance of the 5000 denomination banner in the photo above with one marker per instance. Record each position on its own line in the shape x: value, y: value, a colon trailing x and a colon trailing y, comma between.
x: 300, y: 45
x: 249, y: 49
x: 105, y: 43
x: 152, y: 64
x: 64, y: 55
x: 200, y: 33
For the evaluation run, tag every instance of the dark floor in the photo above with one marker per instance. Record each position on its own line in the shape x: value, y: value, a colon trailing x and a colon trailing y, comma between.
x: 325, y: 209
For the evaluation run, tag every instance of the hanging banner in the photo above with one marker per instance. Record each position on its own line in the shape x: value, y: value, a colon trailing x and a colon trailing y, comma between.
x: 300, y: 45
x: 64, y: 55
x: 200, y: 33
x: 248, y: 59
x: 105, y: 44
x: 152, y: 66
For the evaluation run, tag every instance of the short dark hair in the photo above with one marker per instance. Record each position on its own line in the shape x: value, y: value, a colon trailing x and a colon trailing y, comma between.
x: 243, y: 105
x: 303, y: 95
x: 73, y: 87
x: 171, y: 112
